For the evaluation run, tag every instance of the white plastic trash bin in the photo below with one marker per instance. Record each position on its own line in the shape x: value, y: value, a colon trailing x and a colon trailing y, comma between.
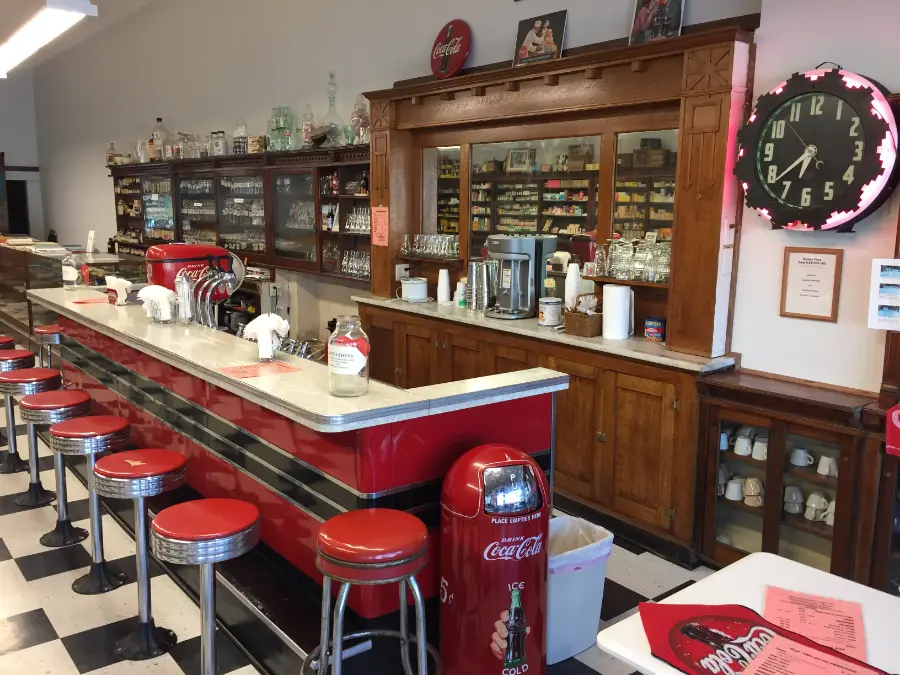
x: 578, y: 554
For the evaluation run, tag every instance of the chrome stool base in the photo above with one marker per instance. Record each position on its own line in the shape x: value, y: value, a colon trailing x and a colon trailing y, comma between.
x: 65, y: 534
x: 100, y: 579
x: 146, y: 641
x: 311, y: 664
x: 35, y: 496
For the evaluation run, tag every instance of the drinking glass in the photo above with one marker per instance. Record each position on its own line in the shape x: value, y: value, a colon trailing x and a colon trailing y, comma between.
x: 404, y: 247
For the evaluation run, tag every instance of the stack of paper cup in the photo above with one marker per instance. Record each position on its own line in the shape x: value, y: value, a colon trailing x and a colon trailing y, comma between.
x: 443, y: 292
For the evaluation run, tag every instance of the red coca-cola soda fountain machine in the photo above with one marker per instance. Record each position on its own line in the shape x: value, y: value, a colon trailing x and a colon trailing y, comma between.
x: 495, y: 515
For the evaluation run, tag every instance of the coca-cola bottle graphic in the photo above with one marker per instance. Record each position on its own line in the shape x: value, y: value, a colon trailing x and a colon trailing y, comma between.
x: 445, y: 59
x: 516, y: 629
x: 703, y: 634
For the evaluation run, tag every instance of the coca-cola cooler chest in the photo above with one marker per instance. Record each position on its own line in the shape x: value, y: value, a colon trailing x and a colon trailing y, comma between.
x: 165, y: 261
x: 495, y: 514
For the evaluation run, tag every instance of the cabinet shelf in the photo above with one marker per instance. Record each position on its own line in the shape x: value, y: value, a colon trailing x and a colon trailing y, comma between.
x: 624, y: 282
x: 811, y: 476
x: 798, y: 522
x: 744, y: 459
x: 413, y: 258
x: 741, y: 506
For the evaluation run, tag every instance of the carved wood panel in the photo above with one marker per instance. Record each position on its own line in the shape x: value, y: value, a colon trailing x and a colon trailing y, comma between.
x: 708, y: 69
x: 381, y: 115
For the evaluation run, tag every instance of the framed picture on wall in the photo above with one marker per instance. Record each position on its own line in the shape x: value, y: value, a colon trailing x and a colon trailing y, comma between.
x: 655, y: 20
x: 520, y: 161
x: 541, y: 38
x: 811, y: 283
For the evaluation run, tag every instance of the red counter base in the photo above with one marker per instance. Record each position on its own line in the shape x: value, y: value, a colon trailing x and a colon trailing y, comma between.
x: 297, y: 477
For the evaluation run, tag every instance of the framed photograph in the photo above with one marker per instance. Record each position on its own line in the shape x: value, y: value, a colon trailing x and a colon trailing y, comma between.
x: 655, y: 20
x: 811, y: 283
x: 541, y: 38
x: 520, y: 161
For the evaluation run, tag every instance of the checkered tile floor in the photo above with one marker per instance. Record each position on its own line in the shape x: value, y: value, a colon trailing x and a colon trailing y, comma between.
x: 45, y: 628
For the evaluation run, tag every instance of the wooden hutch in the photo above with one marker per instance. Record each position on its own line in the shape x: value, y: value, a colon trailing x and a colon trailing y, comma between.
x: 626, y: 429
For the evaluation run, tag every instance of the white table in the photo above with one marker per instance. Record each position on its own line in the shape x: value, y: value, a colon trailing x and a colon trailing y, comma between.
x: 743, y: 583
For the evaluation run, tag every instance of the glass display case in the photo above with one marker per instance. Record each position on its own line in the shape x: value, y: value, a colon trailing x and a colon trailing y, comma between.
x: 242, y: 214
x: 344, y: 221
x: 887, y: 574
x: 644, y: 197
x: 159, y: 213
x: 129, y: 209
x: 198, y: 210
x: 533, y: 187
x: 295, y: 217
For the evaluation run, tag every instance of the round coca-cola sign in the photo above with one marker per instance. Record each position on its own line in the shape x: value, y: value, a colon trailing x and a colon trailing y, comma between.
x: 451, y: 49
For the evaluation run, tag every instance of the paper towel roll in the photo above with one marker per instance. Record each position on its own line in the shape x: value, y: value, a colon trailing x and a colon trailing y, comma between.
x: 443, y: 290
x: 618, y: 312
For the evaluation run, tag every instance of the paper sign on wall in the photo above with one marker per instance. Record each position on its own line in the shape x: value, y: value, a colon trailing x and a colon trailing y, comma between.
x: 884, y: 294
x: 381, y: 226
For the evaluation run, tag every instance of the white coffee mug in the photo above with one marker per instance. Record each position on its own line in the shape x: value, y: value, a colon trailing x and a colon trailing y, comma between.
x: 755, y: 501
x: 829, y: 519
x: 793, y: 507
x: 753, y: 486
x: 801, y: 457
x: 743, y: 446
x: 761, y: 449
x: 735, y: 489
x: 724, y: 539
x: 722, y: 481
x: 793, y: 494
x: 812, y: 513
x: 828, y: 466
x: 817, y: 500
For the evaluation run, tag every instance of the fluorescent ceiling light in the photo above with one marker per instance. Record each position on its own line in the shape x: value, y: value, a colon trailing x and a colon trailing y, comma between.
x: 48, y: 24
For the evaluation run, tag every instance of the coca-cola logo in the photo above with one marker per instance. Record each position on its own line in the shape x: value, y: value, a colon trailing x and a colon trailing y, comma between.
x: 517, y: 548
x: 719, y: 645
x: 451, y: 47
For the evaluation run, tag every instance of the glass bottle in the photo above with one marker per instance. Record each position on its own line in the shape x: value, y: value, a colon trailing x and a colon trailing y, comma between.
x: 332, y: 119
x: 360, y: 121
x: 307, y: 126
x: 160, y: 137
x: 70, y: 275
x: 348, y: 358
x: 111, y: 154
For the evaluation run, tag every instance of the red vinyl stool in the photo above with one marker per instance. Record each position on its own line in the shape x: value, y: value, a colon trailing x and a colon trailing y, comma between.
x: 371, y: 546
x: 13, y: 359
x: 47, y: 336
x: 138, y: 474
x: 204, y: 532
x: 89, y: 436
x: 7, y: 342
x: 45, y: 409
x: 23, y: 382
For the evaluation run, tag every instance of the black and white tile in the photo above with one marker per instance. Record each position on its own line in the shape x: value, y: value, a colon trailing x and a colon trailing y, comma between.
x: 47, y: 629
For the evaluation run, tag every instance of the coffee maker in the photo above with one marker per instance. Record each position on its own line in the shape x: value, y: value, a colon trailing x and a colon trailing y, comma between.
x: 522, y: 268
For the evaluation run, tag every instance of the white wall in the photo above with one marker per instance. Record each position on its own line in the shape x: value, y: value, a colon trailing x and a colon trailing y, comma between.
x: 18, y: 139
x: 845, y: 353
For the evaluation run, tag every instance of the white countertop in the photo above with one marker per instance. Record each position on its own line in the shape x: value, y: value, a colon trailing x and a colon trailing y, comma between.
x: 301, y: 396
x: 743, y: 583
x: 637, y: 349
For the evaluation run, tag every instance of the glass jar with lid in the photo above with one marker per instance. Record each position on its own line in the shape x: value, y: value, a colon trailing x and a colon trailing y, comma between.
x: 348, y: 358
x: 71, y: 278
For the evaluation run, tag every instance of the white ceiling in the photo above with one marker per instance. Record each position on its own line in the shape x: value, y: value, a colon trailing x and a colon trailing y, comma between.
x: 17, y: 12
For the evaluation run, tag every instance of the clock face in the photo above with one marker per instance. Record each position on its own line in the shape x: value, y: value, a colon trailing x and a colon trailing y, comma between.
x: 819, y: 151
x: 809, y: 151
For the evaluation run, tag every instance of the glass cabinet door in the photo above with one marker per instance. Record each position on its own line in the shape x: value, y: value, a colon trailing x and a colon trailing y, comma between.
x: 242, y: 214
x: 295, y: 217
x: 198, y: 211
x: 808, y: 502
x: 742, y: 446
x: 892, y: 585
x: 159, y: 215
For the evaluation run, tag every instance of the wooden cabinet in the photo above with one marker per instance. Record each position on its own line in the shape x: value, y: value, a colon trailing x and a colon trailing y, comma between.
x: 639, y: 454
x: 625, y: 431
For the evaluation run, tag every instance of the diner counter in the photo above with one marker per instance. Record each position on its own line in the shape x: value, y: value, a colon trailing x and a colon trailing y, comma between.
x: 635, y: 348
x: 301, y: 396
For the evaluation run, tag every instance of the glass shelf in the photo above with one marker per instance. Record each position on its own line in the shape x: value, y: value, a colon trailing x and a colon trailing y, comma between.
x: 159, y: 214
x: 295, y: 217
x: 242, y: 214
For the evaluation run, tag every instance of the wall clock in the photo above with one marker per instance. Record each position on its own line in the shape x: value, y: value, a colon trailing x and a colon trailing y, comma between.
x: 819, y: 152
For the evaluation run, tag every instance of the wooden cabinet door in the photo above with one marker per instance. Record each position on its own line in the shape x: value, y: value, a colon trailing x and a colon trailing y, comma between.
x: 579, y: 420
x: 509, y: 360
x: 416, y: 355
x: 462, y: 358
x: 382, y: 359
x: 639, y: 454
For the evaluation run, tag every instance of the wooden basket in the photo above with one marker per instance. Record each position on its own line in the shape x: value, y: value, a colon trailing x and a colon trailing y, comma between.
x: 582, y: 325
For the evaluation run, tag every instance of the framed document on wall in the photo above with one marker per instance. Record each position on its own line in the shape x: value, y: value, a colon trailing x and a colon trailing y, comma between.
x: 811, y: 283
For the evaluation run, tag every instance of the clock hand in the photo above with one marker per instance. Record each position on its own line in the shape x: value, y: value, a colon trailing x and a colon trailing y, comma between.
x: 802, y: 157
x: 797, y: 135
x: 809, y: 158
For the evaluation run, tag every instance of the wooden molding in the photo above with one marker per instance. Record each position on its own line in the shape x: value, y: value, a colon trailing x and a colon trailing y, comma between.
x: 416, y: 100
x: 479, y: 91
x: 551, y: 80
x: 593, y: 73
x: 638, y: 66
x: 447, y: 96
x: 511, y: 85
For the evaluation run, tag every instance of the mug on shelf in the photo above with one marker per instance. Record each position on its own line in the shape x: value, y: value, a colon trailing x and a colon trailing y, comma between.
x: 760, y: 448
x: 756, y: 501
x: 722, y: 480
x: 812, y: 513
x: 793, y: 507
x: 794, y: 494
x: 801, y: 457
x: 753, y: 487
x: 743, y: 444
x: 723, y: 539
x: 828, y: 466
x: 724, y: 439
x: 829, y: 513
x: 734, y: 491
x: 817, y: 500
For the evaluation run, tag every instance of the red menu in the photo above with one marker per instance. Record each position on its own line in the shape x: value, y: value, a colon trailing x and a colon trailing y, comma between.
x: 258, y: 369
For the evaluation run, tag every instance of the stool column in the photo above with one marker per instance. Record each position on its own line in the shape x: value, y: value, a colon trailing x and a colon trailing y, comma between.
x: 100, y: 578
x: 36, y: 495
x: 208, y: 619
x: 64, y: 534
x: 13, y: 463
